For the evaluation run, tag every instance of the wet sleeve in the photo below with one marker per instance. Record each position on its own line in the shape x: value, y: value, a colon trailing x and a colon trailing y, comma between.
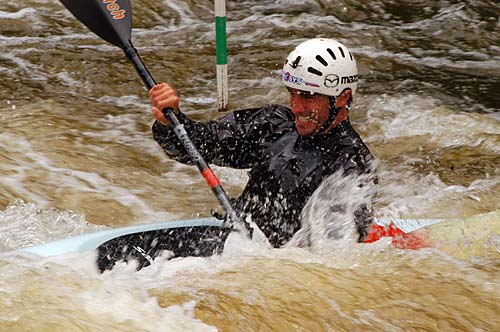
x: 237, y: 140
x: 361, y: 165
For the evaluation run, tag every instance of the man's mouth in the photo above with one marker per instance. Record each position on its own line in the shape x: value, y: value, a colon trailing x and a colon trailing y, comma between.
x: 304, y: 118
x: 310, y: 118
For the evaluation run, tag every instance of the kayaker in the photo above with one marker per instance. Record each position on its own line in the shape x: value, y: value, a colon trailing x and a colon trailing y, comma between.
x: 289, y: 151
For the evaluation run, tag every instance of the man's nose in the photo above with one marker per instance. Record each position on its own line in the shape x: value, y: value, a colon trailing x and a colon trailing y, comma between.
x: 297, y: 108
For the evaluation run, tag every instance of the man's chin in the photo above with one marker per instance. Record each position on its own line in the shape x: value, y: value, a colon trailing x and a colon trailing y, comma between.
x: 305, y: 132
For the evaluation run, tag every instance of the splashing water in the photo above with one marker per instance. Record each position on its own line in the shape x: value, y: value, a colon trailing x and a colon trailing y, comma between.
x: 23, y: 225
x: 328, y: 216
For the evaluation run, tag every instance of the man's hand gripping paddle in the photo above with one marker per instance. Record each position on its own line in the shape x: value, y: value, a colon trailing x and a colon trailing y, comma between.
x: 112, y: 21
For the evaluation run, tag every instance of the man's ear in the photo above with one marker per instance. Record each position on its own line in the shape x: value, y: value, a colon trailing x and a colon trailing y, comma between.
x: 343, y: 98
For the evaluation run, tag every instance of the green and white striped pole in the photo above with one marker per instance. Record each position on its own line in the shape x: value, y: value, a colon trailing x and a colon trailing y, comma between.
x: 221, y: 53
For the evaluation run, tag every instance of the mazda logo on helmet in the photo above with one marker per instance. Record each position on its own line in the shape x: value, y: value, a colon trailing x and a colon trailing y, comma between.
x: 331, y: 81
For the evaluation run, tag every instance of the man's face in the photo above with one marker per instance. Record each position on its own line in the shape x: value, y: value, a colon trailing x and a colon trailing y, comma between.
x: 310, y: 110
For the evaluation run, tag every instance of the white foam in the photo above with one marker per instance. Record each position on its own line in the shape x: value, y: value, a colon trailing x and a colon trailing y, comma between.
x: 23, y: 225
x: 413, y: 116
x: 93, y: 300
x: 22, y: 13
x: 85, y: 181
x: 126, y: 101
x: 401, y: 192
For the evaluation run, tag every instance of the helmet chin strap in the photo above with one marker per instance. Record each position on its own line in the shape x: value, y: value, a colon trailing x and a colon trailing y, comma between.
x: 335, y: 117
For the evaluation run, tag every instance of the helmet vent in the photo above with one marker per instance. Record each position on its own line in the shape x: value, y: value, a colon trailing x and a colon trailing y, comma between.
x: 295, y: 63
x: 314, y: 71
x: 342, y: 51
x: 332, y: 54
x: 350, y: 54
x: 320, y: 59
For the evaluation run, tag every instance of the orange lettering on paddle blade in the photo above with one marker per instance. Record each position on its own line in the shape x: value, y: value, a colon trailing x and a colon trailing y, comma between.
x: 112, y: 7
x: 118, y: 14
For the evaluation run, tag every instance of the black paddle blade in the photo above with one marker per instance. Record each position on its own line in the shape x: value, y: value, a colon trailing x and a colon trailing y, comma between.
x: 109, y: 19
x: 197, y: 241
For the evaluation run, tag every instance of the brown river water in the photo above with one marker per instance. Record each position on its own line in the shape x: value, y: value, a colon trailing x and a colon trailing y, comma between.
x: 77, y: 155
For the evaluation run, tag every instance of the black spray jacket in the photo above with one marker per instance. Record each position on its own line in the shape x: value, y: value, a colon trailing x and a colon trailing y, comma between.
x: 285, y: 168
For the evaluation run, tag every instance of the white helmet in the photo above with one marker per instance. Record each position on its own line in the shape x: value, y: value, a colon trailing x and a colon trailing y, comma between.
x: 322, y: 66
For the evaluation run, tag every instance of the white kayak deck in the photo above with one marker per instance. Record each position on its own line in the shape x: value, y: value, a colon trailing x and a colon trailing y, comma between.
x: 90, y: 241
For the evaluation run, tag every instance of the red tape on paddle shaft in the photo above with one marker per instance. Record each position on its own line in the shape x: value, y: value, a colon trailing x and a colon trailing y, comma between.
x: 210, y: 177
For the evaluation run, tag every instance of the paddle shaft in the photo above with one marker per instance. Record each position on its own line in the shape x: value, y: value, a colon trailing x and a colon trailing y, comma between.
x: 183, y: 137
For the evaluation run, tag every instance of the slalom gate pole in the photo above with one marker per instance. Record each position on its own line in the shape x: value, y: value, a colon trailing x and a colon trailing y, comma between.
x: 221, y: 54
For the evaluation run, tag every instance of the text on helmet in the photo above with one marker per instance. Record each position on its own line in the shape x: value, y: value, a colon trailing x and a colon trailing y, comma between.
x: 287, y: 77
x: 349, y: 79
